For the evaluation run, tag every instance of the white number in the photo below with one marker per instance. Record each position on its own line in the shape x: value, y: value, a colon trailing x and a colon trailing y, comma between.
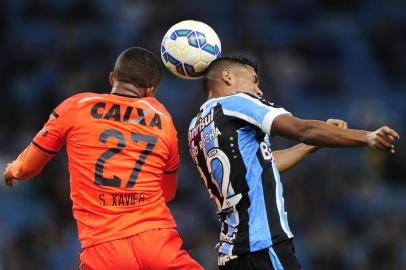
x: 265, y: 151
x: 225, y: 164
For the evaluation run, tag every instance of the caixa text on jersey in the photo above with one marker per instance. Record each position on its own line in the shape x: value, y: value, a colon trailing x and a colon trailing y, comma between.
x: 114, y: 112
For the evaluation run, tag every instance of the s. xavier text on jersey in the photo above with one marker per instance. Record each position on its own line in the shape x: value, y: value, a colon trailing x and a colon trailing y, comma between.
x: 121, y: 199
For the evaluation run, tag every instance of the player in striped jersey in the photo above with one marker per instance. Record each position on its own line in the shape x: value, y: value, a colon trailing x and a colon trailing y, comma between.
x: 229, y: 142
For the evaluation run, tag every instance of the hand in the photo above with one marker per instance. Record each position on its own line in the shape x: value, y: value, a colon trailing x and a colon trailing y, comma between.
x: 338, y: 123
x: 8, y: 179
x: 383, y: 138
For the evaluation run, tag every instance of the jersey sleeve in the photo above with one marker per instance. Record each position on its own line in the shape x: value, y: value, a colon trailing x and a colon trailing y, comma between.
x: 254, y: 110
x: 172, y: 164
x: 28, y: 164
x: 52, y: 136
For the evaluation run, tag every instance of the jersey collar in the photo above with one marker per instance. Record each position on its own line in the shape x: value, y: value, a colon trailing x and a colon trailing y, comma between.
x: 204, y: 105
x: 122, y: 95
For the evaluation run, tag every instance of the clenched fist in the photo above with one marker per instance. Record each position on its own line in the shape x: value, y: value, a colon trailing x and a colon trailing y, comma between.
x: 338, y: 123
x: 382, y: 138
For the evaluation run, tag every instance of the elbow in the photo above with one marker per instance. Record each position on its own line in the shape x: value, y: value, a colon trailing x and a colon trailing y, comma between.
x: 302, y: 130
x: 306, y: 135
x: 282, y: 170
x: 306, y: 138
x: 170, y: 197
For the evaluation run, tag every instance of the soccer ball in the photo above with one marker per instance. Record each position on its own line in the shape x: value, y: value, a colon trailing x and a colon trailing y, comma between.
x: 188, y: 48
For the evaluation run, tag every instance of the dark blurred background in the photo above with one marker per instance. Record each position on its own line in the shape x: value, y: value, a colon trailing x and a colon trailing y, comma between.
x: 319, y: 59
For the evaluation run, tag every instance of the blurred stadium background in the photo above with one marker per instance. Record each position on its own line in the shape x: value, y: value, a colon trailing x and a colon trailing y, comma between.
x: 319, y: 59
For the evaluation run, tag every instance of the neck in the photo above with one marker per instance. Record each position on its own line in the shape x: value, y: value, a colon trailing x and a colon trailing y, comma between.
x: 213, y: 95
x: 219, y: 92
x: 127, y: 89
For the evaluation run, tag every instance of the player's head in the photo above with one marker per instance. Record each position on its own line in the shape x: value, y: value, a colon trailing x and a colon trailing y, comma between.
x: 139, y: 69
x: 230, y: 75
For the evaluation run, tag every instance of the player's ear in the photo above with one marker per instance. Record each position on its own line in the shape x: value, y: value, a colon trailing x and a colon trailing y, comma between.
x: 227, y: 77
x: 151, y: 91
x: 111, y: 78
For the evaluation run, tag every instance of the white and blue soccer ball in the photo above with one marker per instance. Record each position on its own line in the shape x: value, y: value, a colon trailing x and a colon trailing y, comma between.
x: 188, y: 48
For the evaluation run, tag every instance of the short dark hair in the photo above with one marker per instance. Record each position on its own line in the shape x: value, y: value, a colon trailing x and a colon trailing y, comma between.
x: 139, y: 67
x: 220, y: 63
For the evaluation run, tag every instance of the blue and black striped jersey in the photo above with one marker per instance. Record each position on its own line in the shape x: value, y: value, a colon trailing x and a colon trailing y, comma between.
x: 230, y: 145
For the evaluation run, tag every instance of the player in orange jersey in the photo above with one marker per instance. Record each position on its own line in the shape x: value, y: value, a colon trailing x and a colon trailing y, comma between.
x: 123, y: 161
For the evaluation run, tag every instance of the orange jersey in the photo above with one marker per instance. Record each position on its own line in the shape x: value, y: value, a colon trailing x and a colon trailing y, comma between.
x: 154, y: 249
x: 118, y: 149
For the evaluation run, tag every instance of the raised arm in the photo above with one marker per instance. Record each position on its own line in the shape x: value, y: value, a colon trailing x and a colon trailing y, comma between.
x: 45, y: 144
x: 287, y: 158
x: 321, y: 134
x: 28, y: 164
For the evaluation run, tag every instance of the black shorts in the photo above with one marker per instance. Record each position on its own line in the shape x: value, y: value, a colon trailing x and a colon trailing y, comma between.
x: 278, y: 257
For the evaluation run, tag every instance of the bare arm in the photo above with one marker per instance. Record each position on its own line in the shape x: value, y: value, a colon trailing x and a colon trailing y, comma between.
x: 28, y: 164
x: 169, y: 184
x: 287, y: 158
x: 321, y: 134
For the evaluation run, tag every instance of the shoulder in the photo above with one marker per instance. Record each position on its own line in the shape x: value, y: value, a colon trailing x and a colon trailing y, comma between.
x: 245, y: 100
x: 71, y: 102
x: 252, y: 98
x: 156, y: 106
x: 85, y: 96
x: 259, y: 99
